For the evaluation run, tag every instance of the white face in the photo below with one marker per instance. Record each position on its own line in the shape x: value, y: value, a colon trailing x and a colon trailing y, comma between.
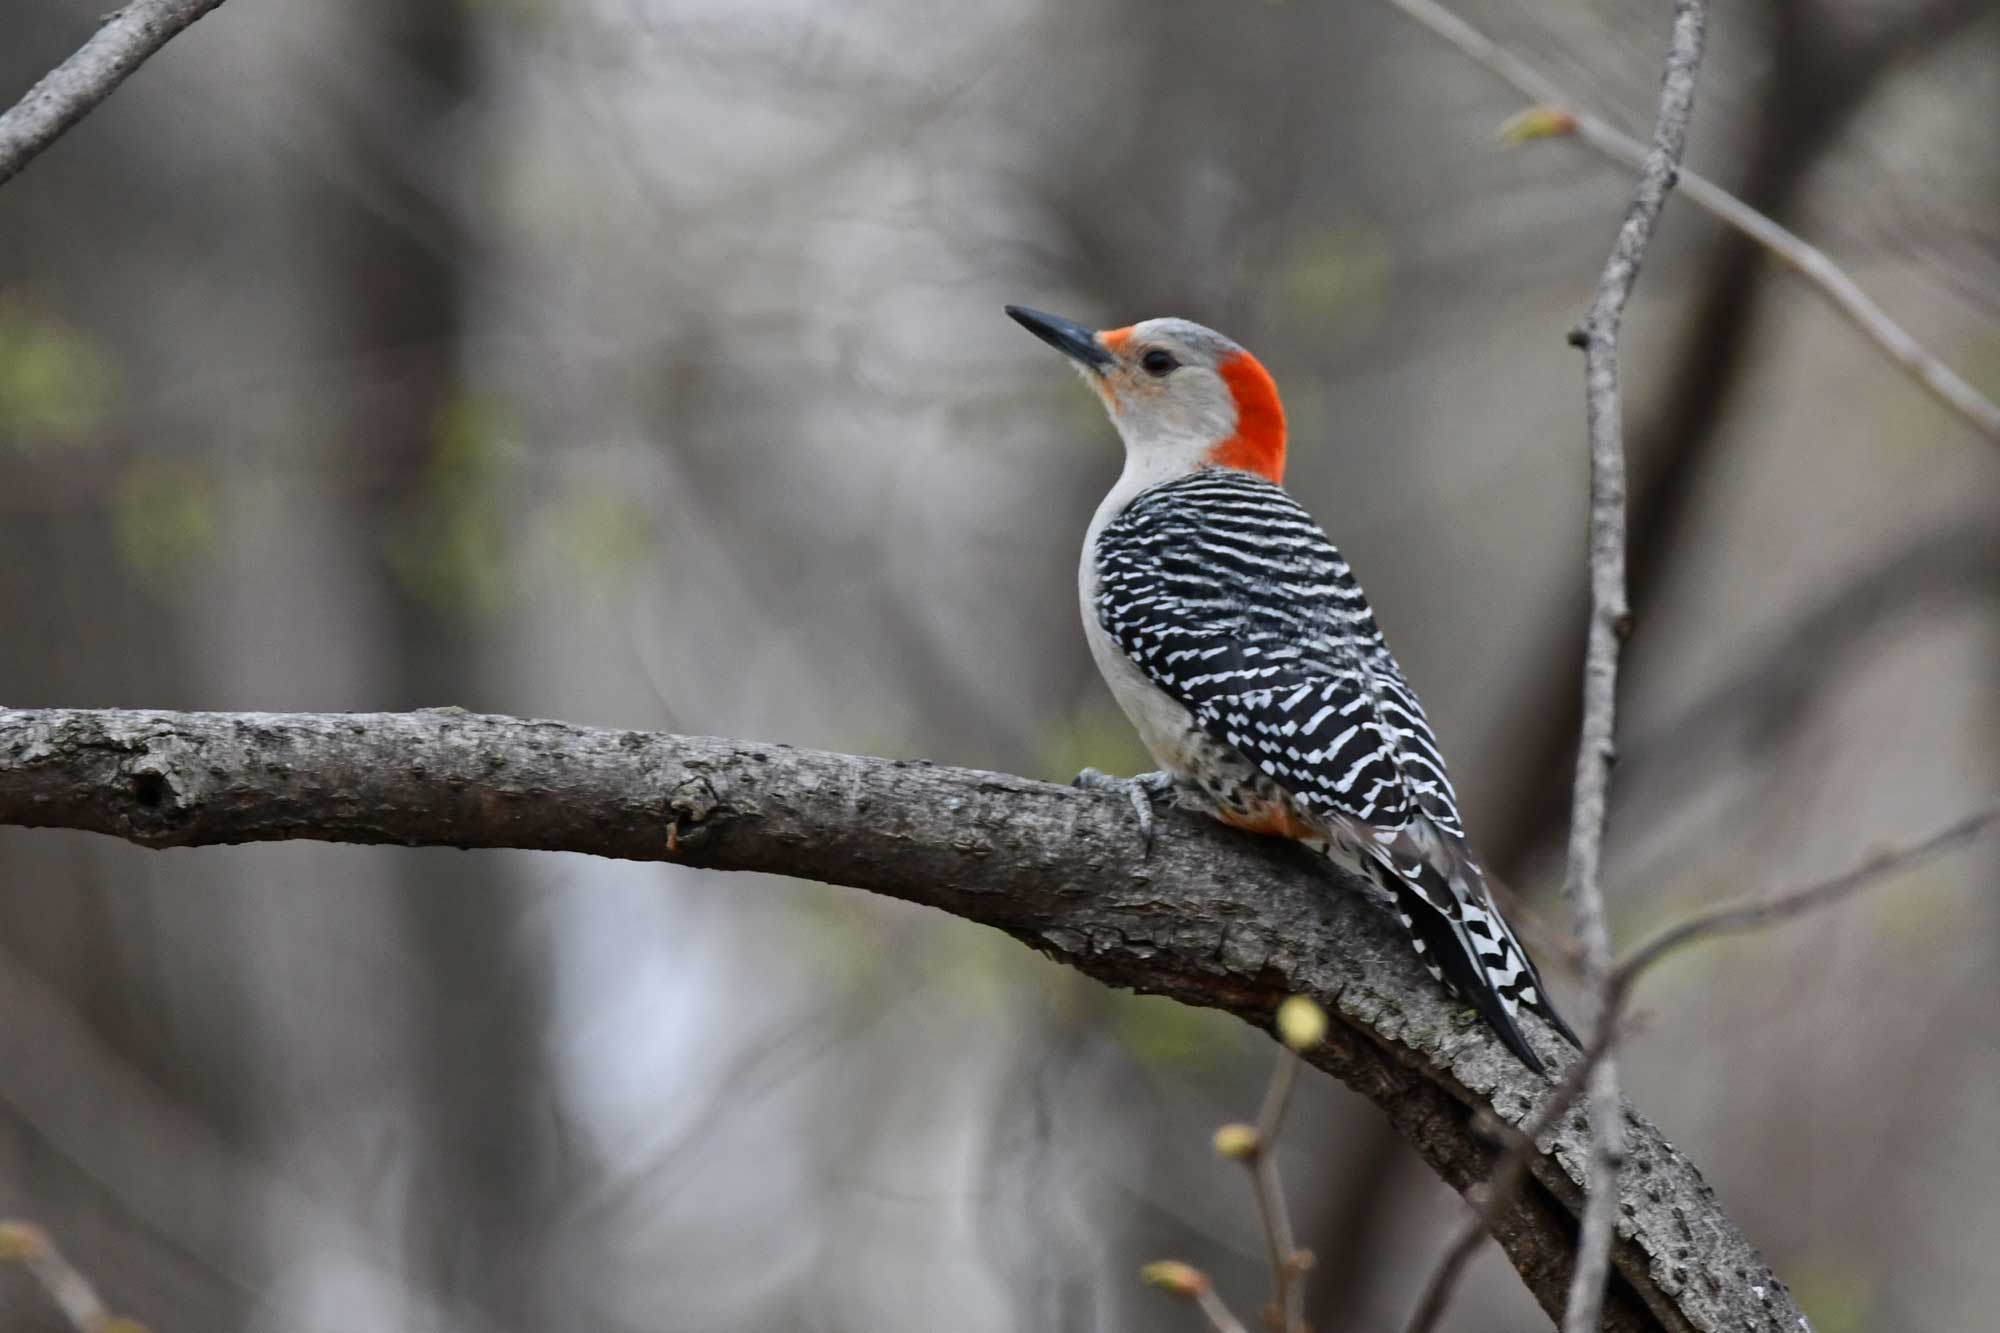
x: 1163, y: 384
x: 1182, y: 396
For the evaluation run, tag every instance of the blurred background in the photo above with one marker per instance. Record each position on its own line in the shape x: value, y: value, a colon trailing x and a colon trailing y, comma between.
x: 641, y: 363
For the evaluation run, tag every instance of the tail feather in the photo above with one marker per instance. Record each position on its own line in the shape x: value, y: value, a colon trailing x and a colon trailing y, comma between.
x: 1464, y: 942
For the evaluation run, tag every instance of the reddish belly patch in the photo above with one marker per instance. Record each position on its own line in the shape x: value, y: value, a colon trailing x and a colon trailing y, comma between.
x: 1273, y: 818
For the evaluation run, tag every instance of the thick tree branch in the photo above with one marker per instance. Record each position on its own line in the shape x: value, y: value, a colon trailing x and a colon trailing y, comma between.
x: 1212, y: 918
x: 72, y: 90
x: 1610, y: 619
x: 1508, y: 1176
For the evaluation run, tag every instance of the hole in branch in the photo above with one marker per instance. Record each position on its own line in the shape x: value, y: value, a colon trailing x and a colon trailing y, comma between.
x: 150, y: 790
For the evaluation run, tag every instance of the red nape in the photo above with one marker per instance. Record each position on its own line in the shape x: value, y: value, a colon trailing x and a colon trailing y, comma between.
x: 1259, y: 442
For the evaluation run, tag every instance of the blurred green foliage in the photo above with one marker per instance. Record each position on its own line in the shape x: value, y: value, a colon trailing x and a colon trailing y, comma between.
x: 165, y: 517
x: 1980, y: 362
x: 1095, y: 735
x: 55, y: 382
x: 1168, y: 1037
x: 1917, y: 429
x: 1338, y: 279
x: 451, y: 550
x: 599, y: 536
x: 463, y: 538
x: 839, y: 937
x: 829, y: 934
x: 1925, y: 907
x: 1835, y: 1293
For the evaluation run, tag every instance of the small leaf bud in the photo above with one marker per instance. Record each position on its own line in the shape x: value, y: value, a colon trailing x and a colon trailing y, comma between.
x: 1237, y: 1141
x: 1174, y: 1276
x: 1301, y: 1023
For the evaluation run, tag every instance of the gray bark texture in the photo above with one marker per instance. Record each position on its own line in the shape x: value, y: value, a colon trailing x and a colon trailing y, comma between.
x: 72, y: 90
x: 1211, y: 917
x: 1610, y: 621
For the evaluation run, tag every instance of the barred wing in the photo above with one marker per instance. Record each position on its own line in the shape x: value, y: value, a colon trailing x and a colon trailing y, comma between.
x: 1230, y: 598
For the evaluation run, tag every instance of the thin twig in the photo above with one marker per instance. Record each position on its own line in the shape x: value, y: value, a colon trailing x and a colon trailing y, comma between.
x: 1770, y: 911
x: 1609, y: 622
x: 28, y: 1245
x: 1286, y: 1282
x: 1808, y: 261
x: 71, y: 90
x: 1220, y: 1315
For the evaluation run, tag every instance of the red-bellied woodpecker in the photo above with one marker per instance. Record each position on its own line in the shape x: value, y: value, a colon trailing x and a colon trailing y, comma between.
x: 1235, y: 637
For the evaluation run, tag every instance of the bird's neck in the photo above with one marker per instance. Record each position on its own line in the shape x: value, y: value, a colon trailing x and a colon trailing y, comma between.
x: 1148, y: 464
x: 1258, y: 444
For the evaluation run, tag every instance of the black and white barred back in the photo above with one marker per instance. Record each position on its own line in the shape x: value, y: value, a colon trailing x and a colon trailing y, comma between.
x: 1229, y: 597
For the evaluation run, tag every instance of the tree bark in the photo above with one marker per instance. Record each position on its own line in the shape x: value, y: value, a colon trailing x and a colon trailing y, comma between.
x: 125, y: 40
x: 1210, y: 917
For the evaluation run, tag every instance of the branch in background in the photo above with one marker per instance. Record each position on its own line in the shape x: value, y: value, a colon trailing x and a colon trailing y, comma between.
x: 1806, y: 102
x: 26, y: 1244
x: 1873, y: 605
x: 1556, y: 114
x: 1753, y: 916
x: 1213, y: 918
x: 1301, y: 1026
x: 71, y: 90
x: 1512, y: 1169
x: 1610, y: 621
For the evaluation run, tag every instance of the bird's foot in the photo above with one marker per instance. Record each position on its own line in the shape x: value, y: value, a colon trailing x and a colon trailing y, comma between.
x: 1140, y: 791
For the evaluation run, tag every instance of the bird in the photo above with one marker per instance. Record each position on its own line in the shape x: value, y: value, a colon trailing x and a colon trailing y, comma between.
x: 1239, y: 643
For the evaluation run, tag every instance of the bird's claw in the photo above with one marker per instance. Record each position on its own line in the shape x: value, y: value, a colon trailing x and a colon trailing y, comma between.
x: 1140, y: 791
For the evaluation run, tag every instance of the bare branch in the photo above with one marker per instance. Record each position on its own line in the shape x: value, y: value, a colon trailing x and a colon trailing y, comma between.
x: 1610, y: 620
x: 1563, y: 117
x: 1301, y: 1025
x: 1771, y: 911
x: 1287, y: 1288
x: 1218, y: 1314
x: 1212, y: 917
x: 71, y: 90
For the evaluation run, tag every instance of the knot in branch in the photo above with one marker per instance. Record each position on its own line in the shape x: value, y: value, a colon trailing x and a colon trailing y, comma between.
x: 688, y: 809
x: 156, y: 801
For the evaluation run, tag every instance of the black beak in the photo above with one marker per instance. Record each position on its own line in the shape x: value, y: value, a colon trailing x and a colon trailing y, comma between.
x: 1065, y: 335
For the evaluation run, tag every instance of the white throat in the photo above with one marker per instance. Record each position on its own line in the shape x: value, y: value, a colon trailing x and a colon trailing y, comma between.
x: 1146, y: 466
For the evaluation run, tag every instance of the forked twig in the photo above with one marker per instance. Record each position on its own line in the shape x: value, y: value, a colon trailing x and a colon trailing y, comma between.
x: 1301, y: 1025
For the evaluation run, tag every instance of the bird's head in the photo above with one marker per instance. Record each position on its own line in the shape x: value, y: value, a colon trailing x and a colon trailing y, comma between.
x: 1173, y: 385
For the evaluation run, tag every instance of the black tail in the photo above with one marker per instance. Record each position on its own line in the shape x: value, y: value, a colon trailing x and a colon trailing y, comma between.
x: 1444, y: 945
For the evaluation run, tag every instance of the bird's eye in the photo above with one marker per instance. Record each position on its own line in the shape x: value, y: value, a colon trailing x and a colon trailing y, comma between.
x: 1158, y: 361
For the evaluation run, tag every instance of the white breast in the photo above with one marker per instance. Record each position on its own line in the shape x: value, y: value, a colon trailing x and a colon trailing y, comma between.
x: 1165, y: 726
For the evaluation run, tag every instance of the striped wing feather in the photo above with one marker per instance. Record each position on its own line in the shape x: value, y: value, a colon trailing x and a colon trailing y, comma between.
x: 1230, y: 598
